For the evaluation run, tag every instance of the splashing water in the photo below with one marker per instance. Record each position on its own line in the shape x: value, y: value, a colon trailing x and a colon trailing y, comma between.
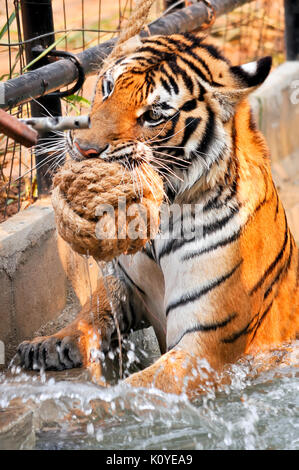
x: 65, y: 410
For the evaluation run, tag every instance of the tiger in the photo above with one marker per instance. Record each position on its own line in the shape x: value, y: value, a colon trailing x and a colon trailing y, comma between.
x: 224, y: 291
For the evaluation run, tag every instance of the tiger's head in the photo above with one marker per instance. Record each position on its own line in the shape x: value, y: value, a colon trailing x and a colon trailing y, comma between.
x: 171, y: 101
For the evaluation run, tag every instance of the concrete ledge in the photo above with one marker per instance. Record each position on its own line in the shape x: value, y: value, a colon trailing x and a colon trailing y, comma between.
x: 41, y: 278
x: 43, y: 283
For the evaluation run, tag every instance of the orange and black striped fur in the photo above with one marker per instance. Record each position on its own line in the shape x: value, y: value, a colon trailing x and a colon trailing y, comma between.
x: 230, y: 287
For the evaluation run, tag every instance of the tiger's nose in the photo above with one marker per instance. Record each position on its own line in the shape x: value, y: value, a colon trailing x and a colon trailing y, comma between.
x: 89, y: 151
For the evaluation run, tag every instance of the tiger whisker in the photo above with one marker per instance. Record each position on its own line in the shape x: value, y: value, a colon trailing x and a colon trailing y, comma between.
x: 184, y: 163
x: 147, y: 180
x: 171, y: 157
x: 173, y: 135
x: 166, y: 169
x: 161, y: 130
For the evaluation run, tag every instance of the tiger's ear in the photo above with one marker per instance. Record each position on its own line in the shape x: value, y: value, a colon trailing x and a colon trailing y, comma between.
x: 253, y: 74
x: 247, y: 78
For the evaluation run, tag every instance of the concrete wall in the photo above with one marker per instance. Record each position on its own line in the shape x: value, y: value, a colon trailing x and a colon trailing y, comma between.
x: 276, y: 107
x: 43, y: 282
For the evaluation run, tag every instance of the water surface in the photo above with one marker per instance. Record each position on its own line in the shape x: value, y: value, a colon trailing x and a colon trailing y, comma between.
x: 67, y: 411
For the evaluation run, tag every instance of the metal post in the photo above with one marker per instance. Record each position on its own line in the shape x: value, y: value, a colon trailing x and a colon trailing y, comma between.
x: 37, y: 19
x: 291, y: 8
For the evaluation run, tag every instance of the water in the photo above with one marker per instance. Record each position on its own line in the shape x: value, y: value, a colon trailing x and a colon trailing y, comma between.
x: 67, y: 411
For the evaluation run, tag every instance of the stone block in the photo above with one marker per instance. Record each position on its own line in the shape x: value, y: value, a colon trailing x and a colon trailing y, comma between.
x: 39, y: 286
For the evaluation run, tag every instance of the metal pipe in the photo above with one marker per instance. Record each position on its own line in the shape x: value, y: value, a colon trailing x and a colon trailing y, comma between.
x: 37, y: 19
x: 17, y: 130
x: 59, y: 123
x: 63, y: 72
x: 25, y: 131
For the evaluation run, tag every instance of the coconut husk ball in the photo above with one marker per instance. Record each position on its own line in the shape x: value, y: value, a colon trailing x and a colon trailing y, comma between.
x: 103, y: 209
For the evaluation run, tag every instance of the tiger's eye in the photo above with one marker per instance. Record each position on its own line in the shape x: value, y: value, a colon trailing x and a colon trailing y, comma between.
x: 153, y: 115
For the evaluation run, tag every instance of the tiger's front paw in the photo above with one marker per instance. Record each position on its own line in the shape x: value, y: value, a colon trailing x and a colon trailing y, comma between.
x: 51, y: 353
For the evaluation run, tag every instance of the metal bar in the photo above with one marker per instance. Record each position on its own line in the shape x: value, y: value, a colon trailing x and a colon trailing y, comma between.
x: 37, y: 19
x: 58, y: 123
x: 17, y: 130
x: 291, y: 9
x: 54, y: 76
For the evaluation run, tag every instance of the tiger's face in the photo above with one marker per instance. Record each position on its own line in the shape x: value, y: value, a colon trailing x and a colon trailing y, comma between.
x: 169, y: 101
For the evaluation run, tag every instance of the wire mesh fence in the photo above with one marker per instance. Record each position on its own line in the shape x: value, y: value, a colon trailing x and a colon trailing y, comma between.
x: 249, y: 32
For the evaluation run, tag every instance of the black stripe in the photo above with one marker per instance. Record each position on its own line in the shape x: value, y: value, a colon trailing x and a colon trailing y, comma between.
x: 165, y: 106
x: 274, y: 263
x: 166, y: 85
x: 145, y: 60
x: 215, y: 203
x: 261, y: 319
x: 171, y: 79
x: 194, y: 68
x: 244, y: 331
x: 265, y: 200
x: 211, y: 202
x: 213, y: 51
x: 192, y: 296
x: 202, y: 92
x: 205, y: 328
x: 248, y: 328
x: 199, y: 72
x: 221, y: 244
x: 208, y: 136
x: 174, y: 119
x: 232, y: 338
x: 277, y: 203
x: 202, y: 62
x: 191, y: 125
x: 176, y: 69
x: 153, y: 50
x: 283, y: 270
x: 148, y: 87
x: 179, y: 44
x: 175, y: 244
x: 219, y: 224
x: 189, y: 105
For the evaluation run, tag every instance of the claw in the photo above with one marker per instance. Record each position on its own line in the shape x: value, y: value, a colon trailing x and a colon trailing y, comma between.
x: 50, y: 353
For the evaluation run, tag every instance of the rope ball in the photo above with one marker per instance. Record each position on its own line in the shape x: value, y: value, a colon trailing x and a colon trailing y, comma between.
x: 103, y: 209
